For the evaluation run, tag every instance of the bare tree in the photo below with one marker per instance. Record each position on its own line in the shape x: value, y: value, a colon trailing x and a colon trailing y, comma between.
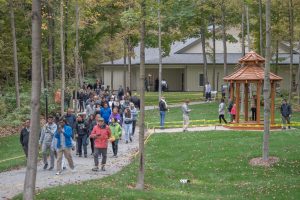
x: 223, y: 11
x: 76, y: 54
x: 267, y: 83
x: 243, y: 27
x: 291, y: 41
x: 261, y: 47
x: 298, y: 81
x: 30, y: 178
x: 203, y: 43
x: 214, y: 49
x: 50, y: 43
x: 141, y: 170
x: 62, y: 57
x: 15, y: 54
x: 129, y: 54
x: 159, y: 52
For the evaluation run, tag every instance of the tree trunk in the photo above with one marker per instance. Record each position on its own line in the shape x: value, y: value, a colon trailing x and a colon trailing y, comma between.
x: 159, y: 52
x: 66, y: 29
x: 202, y: 30
x: 42, y: 74
x: 50, y: 44
x: 62, y: 57
x: 224, y: 37
x: 248, y: 28
x: 76, y: 54
x: 267, y: 83
x: 291, y: 40
x: 277, y: 57
x: 30, y: 178
x: 129, y: 62
x: 214, y: 52
x: 298, y: 81
x: 15, y: 54
x: 125, y: 65
x: 243, y: 28
x: 141, y: 169
x: 261, y: 48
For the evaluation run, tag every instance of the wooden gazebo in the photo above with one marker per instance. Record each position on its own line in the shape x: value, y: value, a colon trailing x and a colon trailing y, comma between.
x: 251, y: 71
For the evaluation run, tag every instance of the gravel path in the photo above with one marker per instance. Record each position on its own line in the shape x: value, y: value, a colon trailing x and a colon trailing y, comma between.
x: 11, y: 182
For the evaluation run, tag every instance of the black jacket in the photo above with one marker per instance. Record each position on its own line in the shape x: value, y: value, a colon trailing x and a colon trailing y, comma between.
x: 162, y: 106
x: 24, y: 137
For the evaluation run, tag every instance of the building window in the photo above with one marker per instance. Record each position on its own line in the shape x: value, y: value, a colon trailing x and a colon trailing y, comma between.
x: 201, y: 79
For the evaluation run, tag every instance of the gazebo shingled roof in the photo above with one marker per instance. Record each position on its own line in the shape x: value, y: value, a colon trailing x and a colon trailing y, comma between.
x: 251, y: 70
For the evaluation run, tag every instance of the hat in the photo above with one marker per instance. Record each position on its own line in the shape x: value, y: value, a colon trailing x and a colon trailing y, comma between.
x: 100, y: 119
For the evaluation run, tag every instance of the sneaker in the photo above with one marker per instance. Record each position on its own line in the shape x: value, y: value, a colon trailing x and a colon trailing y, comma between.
x: 58, y: 173
x: 95, y: 169
x: 85, y: 156
x: 289, y: 127
x: 51, y: 168
x: 73, y: 170
x: 130, y: 139
x: 103, y: 168
x: 126, y: 141
x: 80, y: 155
x: 45, y: 166
x: 64, y: 168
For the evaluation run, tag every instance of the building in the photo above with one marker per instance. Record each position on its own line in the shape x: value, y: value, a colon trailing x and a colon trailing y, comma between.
x: 183, y: 68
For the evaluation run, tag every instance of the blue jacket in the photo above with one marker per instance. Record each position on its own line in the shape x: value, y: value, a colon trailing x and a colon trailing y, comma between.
x: 71, y: 119
x: 105, y: 113
x: 68, y: 137
x: 285, y: 110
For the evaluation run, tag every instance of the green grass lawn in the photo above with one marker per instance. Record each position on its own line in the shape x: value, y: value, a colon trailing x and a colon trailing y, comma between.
x: 10, y: 147
x: 151, y: 98
x: 215, y: 162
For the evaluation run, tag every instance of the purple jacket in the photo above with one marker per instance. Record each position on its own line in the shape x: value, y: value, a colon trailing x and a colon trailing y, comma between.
x: 117, y: 116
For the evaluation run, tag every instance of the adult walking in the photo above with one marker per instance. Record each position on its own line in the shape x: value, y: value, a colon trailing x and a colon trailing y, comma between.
x: 91, y: 123
x: 100, y: 133
x: 24, y: 137
x: 64, y: 144
x: 134, y: 113
x: 222, y: 111
x: 286, y: 114
x: 253, y: 107
x: 105, y: 112
x: 163, y: 108
x: 207, y: 92
x: 45, y: 141
x: 116, y: 131
x: 127, y: 124
x: 82, y: 134
x: 185, y: 113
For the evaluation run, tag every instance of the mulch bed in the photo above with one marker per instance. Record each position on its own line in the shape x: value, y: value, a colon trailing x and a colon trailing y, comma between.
x: 264, y: 163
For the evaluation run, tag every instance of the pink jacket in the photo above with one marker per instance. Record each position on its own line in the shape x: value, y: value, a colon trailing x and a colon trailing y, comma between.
x: 101, y: 136
x: 233, y: 110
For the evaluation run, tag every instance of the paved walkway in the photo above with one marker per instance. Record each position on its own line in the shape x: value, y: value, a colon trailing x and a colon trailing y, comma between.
x: 11, y: 182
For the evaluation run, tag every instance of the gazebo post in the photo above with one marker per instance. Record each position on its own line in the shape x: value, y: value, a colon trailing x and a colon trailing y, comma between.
x: 272, y: 102
x: 231, y: 90
x: 246, y: 100
x: 237, y: 103
x: 258, y: 102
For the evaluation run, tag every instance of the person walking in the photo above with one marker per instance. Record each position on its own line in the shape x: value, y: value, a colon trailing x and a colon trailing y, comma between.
x: 286, y: 114
x: 91, y: 123
x: 185, y: 113
x: 127, y: 124
x: 134, y: 113
x: 233, y: 112
x: 24, y: 137
x: 163, y: 107
x: 207, y: 92
x: 222, y: 111
x: 81, y: 134
x: 253, y: 107
x: 105, y: 113
x: 45, y: 141
x: 116, y: 131
x: 229, y: 108
x: 100, y: 133
x: 64, y: 145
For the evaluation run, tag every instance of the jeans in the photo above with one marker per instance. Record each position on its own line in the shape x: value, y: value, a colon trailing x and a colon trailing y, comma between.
x: 285, y: 120
x: 82, y: 142
x: 133, y: 126
x: 162, y: 118
x: 128, y: 131
x: 92, y: 144
x: 67, y: 153
x: 222, y: 117
x: 45, y: 147
x: 103, y: 153
x: 115, y: 146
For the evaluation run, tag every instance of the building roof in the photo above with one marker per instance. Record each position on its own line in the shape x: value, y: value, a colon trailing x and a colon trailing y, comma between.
x: 251, y: 69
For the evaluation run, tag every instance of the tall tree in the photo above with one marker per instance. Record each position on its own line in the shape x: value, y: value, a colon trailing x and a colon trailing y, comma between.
x: 76, y: 53
x: 298, y: 81
x: 291, y: 41
x: 50, y: 43
x: 30, y: 178
x: 243, y: 28
x: 267, y: 83
x: 141, y: 170
x: 62, y: 57
x: 15, y: 54
x: 261, y: 39
x: 214, y: 48
x: 203, y: 45
x: 159, y: 52
x: 223, y: 11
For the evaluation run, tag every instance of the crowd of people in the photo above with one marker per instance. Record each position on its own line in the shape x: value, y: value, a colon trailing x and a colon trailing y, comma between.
x: 103, y: 117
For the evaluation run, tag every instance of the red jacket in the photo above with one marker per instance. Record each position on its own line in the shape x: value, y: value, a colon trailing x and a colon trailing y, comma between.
x: 100, y: 136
